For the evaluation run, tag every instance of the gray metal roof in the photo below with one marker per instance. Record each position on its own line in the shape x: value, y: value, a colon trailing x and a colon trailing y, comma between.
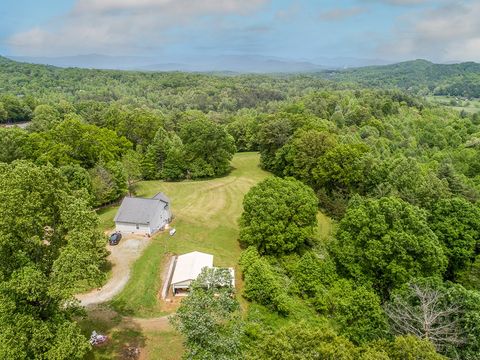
x: 138, y: 210
x: 163, y: 197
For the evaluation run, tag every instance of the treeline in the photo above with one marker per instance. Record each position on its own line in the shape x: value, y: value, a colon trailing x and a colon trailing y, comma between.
x: 168, y: 91
x: 419, y: 76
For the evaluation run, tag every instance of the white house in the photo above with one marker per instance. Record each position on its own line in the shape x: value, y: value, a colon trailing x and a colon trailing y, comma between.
x: 142, y: 215
x: 188, y: 267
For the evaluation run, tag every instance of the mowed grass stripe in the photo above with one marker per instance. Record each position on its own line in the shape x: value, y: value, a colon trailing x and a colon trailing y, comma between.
x: 206, y: 219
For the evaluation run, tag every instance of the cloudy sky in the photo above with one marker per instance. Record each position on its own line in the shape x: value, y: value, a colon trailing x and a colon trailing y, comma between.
x: 438, y: 30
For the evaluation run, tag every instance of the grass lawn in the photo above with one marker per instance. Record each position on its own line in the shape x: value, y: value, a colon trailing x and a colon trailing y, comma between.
x: 459, y: 104
x: 206, y: 214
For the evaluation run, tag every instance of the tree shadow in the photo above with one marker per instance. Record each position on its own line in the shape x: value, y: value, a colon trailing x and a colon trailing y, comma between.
x: 125, y: 337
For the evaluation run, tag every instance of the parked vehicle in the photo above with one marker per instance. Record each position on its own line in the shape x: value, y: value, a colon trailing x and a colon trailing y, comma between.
x: 114, y: 238
x: 173, y: 231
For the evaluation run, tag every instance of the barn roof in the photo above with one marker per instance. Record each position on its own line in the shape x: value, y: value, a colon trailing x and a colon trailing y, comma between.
x: 140, y: 210
x: 189, y: 266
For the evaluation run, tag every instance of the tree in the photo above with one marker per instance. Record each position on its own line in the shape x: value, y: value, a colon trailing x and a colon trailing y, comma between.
x: 244, y: 130
x: 45, y: 117
x: 341, y: 168
x: 386, y: 242
x: 444, y: 313
x: 355, y: 309
x: 279, y: 216
x: 302, y: 341
x: 15, y: 144
x: 302, y: 154
x: 208, y: 148
x: 108, y: 182
x: 262, y: 285
x: 132, y: 168
x: 3, y: 113
x: 312, y: 272
x: 408, y: 347
x: 456, y: 222
x: 208, y: 318
x: 50, y: 248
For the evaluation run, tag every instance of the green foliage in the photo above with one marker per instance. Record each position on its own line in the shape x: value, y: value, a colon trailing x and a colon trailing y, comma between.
x: 456, y: 222
x: 356, y: 310
x: 208, y: 148
x: 262, y: 284
x: 279, y: 216
x: 108, y: 182
x: 303, y: 342
x: 386, y: 242
x: 445, y: 313
x: 312, y: 271
x: 49, y: 249
x: 244, y: 130
x: 208, y: 318
x: 407, y: 347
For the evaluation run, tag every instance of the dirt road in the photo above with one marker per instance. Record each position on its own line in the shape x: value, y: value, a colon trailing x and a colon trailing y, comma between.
x: 122, y: 257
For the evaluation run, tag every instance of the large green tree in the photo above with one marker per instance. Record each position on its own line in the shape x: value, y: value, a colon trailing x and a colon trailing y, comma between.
x: 386, y: 242
x: 208, y: 147
x: 279, y: 216
x: 456, y: 222
x: 49, y: 249
x: 208, y: 318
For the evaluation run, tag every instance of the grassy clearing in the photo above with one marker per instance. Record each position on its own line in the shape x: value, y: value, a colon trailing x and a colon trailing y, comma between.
x: 165, y: 345
x: 469, y: 105
x: 121, y: 335
x: 206, y: 214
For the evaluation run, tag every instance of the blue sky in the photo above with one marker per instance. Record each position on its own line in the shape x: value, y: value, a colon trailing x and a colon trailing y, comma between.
x: 440, y: 30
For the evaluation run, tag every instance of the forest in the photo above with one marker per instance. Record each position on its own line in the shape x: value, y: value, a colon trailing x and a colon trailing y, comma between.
x: 398, y: 279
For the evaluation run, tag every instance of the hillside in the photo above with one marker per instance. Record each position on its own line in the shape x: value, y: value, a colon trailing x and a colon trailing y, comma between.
x: 420, y: 76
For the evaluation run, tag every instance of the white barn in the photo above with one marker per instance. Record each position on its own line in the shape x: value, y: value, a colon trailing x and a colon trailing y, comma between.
x: 188, y: 267
x: 142, y: 215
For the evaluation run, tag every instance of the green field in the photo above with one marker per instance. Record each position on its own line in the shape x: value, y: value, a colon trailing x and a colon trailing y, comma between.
x: 206, y: 215
x: 469, y: 105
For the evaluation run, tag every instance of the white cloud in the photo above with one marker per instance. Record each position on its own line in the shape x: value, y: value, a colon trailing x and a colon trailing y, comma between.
x: 448, y: 33
x: 121, y: 26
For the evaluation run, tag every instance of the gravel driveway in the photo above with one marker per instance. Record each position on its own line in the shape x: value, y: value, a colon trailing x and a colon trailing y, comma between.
x: 122, y: 257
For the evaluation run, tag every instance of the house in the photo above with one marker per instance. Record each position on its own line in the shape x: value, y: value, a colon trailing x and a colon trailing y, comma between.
x: 142, y: 215
x: 188, y: 267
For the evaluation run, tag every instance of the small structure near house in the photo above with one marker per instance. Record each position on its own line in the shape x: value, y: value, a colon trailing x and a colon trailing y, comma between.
x: 187, y: 268
x: 142, y: 215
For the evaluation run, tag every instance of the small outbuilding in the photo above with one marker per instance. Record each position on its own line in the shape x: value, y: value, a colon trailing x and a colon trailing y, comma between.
x: 187, y: 268
x: 143, y: 215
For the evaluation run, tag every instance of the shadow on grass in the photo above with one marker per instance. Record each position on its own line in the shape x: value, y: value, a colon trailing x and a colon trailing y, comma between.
x: 122, y: 307
x: 125, y: 338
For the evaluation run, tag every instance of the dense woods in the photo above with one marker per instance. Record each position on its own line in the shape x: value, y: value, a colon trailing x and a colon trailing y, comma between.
x: 400, y: 177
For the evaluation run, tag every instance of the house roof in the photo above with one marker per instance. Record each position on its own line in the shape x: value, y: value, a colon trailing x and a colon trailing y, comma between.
x: 139, y: 210
x: 161, y: 196
x: 189, y: 266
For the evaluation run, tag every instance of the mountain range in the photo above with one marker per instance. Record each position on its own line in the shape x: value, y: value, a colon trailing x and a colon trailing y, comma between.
x: 225, y: 63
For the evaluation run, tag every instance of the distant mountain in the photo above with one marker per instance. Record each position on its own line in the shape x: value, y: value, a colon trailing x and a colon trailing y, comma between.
x: 225, y: 63
x: 90, y: 61
x: 349, y: 62
x: 239, y: 64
